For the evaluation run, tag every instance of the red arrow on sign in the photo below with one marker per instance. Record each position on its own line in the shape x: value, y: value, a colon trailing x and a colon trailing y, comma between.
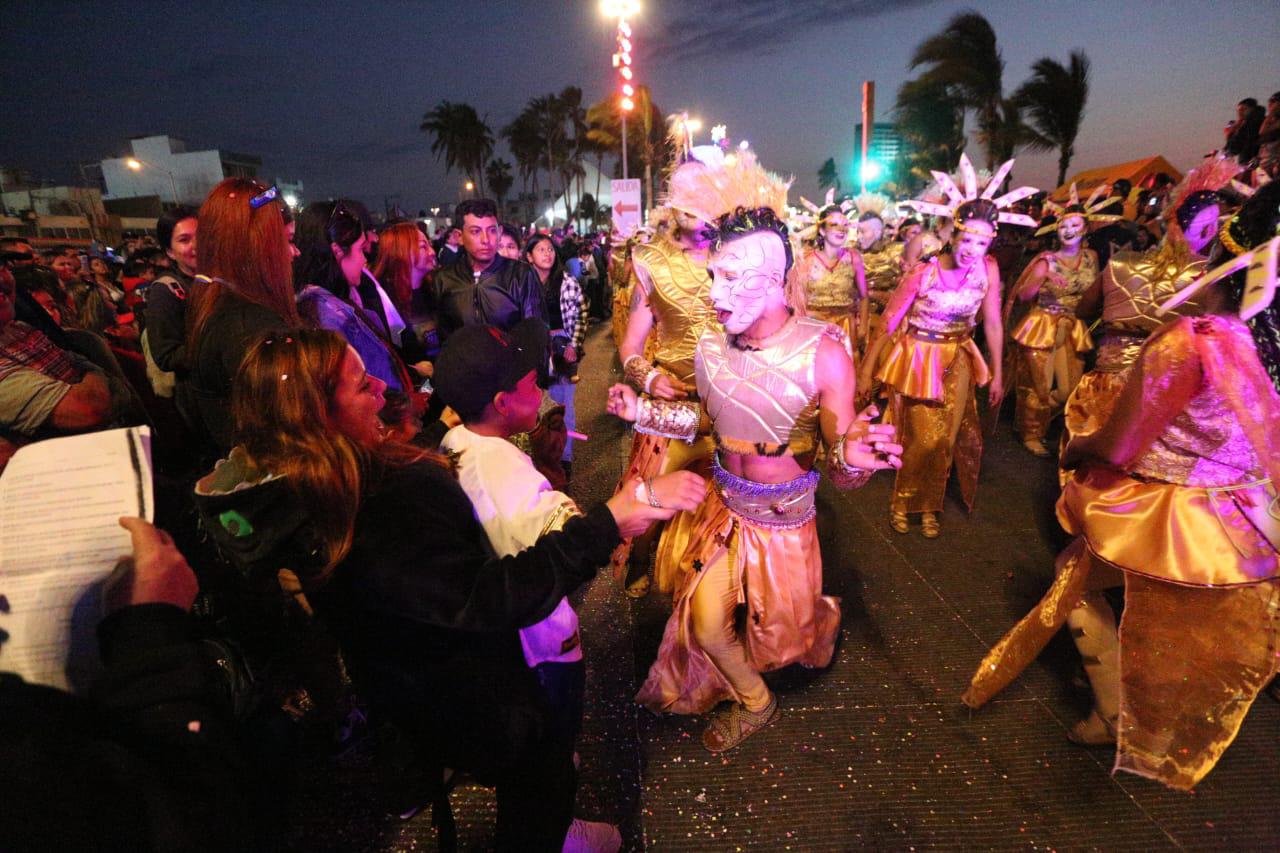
x: 621, y: 208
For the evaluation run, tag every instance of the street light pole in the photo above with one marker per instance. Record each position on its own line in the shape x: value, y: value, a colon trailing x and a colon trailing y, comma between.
x: 621, y: 10
x: 136, y: 165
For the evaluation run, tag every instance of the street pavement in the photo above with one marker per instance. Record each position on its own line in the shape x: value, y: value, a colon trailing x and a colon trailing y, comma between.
x: 876, y: 752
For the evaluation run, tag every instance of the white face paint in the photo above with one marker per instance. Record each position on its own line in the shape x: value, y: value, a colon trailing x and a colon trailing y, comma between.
x: 746, y: 278
x: 1071, y: 229
x: 970, y: 245
x: 1202, y: 229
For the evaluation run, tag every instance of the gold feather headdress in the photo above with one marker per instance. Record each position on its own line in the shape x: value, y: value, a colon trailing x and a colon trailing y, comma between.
x: 969, y: 178
x: 708, y: 192
x: 1090, y: 208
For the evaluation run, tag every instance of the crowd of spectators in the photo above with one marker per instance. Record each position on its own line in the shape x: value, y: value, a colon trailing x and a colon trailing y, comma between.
x: 341, y: 573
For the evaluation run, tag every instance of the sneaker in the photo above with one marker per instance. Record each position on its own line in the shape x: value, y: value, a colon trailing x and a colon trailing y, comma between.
x: 589, y: 836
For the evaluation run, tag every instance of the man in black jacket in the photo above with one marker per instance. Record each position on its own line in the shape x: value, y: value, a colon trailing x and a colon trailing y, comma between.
x: 482, y: 286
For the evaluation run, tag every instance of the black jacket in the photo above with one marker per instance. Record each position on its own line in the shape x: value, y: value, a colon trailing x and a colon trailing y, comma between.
x: 507, y: 292
x: 226, y: 337
x: 167, y: 320
x: 149, y: 761
x: 424, y: 611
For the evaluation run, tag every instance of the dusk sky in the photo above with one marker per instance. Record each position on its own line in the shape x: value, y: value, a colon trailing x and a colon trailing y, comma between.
x: 332, y: 93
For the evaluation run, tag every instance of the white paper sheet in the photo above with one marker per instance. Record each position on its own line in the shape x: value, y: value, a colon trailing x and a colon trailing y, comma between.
x: 60, y: 502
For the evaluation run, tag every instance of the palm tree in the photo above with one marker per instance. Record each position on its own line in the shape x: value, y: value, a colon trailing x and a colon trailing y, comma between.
x: 1054, y: 98
x: 965, y: 59
x: 575, y: 115
x: 498, y: 174
x: 646, y: 133
x: 931, y: 120
x: 828, y: 176
x: 525, y: 143
x: 462, y: 136
x: 588, y: 209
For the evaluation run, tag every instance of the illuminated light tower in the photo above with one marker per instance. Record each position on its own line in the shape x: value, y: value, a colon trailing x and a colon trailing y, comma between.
x: 137, y: 165
x: 622, y: 10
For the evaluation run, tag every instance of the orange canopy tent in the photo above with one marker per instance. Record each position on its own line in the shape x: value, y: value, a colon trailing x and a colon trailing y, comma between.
x: 1133, y: 171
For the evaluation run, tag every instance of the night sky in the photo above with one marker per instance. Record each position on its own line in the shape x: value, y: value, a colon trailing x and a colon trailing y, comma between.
x: 332, y: 93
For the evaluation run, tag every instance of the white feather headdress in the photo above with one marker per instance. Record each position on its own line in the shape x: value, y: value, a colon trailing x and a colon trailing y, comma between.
x: 955, y: 196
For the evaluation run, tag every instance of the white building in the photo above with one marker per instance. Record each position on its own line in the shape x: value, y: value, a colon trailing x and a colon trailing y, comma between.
x: 163, y: 168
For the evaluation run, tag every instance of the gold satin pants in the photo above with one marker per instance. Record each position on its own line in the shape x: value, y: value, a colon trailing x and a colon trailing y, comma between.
x: 933, y: 435
x: 713, y: 606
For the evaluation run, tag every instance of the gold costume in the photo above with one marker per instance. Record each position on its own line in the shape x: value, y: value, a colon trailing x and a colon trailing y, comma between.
x: 830, y: 293
x: 883, y: 265
x: 749, y: 543
x: 1051, y: 331
x: 929, y: 376
x: 680, y: 297
x: 1192, y: 524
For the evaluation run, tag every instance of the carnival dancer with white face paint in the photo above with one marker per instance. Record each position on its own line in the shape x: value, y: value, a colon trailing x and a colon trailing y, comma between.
x: 933, y: 366
x: 1050, y: 340
x: 771, y: 385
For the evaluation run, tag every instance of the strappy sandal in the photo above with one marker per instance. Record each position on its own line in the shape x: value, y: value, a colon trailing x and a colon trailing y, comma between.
x: 898, y: 521
x: 929, y: 527
x: 1093, y: 731
x: 728, y: 729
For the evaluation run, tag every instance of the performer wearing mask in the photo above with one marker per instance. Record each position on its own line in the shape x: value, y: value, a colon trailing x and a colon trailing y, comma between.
x: 1177, y: 491
x: 933, y: 366
x: 770, y: 385
x: 829, y: 282
x: 1051, y: 339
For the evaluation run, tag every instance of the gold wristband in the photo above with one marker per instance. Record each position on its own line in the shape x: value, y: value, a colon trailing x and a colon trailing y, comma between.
x: 842, y: 474
x: 668, y: 419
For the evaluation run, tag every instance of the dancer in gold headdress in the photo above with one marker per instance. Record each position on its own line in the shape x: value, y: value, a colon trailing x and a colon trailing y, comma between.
x: 1051, y: 339
x: 828, y: 282
x: 933, y: 366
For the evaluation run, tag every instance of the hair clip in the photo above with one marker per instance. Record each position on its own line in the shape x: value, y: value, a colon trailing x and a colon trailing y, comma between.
x: 271, y: 193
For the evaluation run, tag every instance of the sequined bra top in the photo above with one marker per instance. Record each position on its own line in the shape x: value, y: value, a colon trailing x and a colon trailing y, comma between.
x: 764, y: 401
x: 681, y: 303
x: 948, y: 311
x: 1065, y: 297
x: 830, y: 289
x: 1203, y: 443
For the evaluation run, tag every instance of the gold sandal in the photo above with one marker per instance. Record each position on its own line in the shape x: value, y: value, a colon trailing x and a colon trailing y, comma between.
x: 898, y: 521
x: 727, y: 729
x: 929, y: 527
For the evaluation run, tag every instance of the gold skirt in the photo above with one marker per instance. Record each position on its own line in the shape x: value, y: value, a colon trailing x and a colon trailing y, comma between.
x: 1041, y: 329
x: 788, y: 621
x: 930, y: 387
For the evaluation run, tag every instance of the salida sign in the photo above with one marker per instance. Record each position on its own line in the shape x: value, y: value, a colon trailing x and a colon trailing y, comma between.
x: 626, y: 205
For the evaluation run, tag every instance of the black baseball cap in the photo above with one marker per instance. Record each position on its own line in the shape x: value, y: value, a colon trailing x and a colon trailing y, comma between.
x: 478, y: 362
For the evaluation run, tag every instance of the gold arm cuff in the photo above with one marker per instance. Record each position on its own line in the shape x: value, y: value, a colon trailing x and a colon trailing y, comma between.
x: 842, y: 474
x: 639, y: 373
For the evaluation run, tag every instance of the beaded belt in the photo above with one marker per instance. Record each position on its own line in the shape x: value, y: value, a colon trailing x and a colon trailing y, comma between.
x: 774, y: 505
x: 939, y: 337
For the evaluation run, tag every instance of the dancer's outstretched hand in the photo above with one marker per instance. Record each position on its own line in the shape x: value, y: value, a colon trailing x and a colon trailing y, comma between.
x: 622, y: 402
x: 677, y: 491
x: 871, y: 445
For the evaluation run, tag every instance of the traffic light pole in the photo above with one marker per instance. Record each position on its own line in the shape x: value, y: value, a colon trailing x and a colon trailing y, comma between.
x: 868, y: 113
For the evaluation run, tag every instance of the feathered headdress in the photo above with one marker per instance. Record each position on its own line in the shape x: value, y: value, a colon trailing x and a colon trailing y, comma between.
x: 709, y: 192
x: 1090, y: 209
x: 877, y: 203
x: 804, y: 223
x: 969, y: 177
x: 1213, y: 173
